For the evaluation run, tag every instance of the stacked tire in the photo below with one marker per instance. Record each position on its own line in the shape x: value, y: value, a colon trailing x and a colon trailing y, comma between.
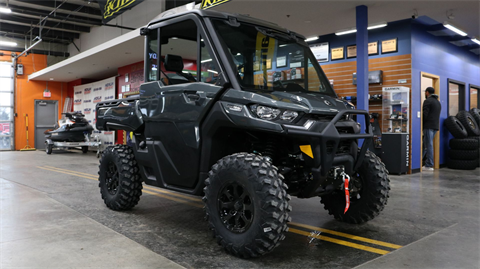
x: 464, y: 152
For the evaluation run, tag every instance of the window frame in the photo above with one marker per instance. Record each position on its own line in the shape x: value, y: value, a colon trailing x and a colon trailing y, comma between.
x: 476, y: 87
x: 461, y: 95
x: 200, y: 32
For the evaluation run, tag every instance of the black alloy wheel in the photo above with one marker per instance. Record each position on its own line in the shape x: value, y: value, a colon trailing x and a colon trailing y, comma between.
x: 235, y: 206
x: 112, y: 179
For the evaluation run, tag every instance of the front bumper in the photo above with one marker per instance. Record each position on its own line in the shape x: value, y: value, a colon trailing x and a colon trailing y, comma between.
x: 324, y: 145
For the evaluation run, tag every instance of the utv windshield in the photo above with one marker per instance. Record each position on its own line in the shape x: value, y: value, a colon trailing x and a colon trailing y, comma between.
x: 270, y: 60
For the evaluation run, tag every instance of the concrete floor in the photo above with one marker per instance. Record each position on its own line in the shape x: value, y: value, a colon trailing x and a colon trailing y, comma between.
x: 51, y: 215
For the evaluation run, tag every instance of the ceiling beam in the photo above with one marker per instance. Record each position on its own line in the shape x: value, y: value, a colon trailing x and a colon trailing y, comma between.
x: 43, y: 14
x: 53, y: 25
x: 47, y: 33
x: 67, y: 6
x: 33, y: 5
x: 37, y: 26
x: 34, y: 51
x: 46, y: 39
x: 49, y: 19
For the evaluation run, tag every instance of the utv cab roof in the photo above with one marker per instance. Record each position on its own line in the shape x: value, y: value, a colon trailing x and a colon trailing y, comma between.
x: 181, y: 11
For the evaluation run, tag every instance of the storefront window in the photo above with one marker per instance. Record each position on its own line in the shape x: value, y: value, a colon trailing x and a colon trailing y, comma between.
x: 456, y: 97
x: 473, y: 98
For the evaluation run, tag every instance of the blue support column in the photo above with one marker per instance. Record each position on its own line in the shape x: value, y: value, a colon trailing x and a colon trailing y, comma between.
x: 362, y: 59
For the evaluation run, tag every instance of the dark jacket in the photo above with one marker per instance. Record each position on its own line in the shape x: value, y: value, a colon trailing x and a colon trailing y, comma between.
x: 431, y: 112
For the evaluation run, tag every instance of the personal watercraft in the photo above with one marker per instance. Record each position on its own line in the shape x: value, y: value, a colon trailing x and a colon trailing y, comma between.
x: 73, y: 130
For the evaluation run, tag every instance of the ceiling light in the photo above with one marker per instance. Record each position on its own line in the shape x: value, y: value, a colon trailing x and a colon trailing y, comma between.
x: 283, y: 45
x: 457, y: 30
x: 8, y: 43
x: 212, y: 71
x: 5, y: 10
x: 474, y: 39
x: 206, y: 61
x: 344, y: 32
x: 311, y: 38
x: 377, y: 25
x: 354, y: 30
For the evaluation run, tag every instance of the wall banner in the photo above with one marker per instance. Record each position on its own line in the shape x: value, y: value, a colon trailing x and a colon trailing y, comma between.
x: 86, y: 98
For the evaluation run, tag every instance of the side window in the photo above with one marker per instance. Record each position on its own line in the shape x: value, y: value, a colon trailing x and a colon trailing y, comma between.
x: 209, y: 73
x: 152, y: 61
x: 179, y: 53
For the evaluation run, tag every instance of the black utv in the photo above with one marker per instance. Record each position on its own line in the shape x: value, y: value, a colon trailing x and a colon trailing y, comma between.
x: 238, y: 110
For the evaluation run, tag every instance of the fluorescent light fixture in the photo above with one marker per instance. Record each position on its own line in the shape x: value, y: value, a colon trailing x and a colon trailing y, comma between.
x: 344, y: 32
x: 8, y: 43
x: 313, y: 38
x: 5, y: 10
x: 206, y: 61
x: 474, y: 39
x: 457, y: 30
x: 283, y: 45
x: 238, y: 54
x: 212, y: 71
x: 377, y: 25
x: 354, y: 30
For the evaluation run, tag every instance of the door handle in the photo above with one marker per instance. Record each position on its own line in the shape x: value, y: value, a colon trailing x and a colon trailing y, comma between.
x: 195, y: 98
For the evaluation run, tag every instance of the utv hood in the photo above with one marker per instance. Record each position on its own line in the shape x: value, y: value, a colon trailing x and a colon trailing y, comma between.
x: 308, y: 102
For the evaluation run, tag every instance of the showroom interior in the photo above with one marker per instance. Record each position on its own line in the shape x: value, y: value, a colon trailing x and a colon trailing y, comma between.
x: 60, y: 58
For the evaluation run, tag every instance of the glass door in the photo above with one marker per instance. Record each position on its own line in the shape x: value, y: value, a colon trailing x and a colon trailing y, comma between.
x: 6, y: 106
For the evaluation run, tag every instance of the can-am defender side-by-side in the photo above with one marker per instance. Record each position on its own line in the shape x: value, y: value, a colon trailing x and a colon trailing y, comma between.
x: 238, y: 110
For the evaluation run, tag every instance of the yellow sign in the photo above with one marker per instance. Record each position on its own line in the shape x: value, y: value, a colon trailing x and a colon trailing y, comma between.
x: 113, y: 6
x: 206, y: 4
x: 264, y: 52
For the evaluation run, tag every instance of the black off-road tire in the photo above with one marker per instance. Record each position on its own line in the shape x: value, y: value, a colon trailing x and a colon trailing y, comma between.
x: 49, y: 149
x: 84, y: 149
x: 469, y: 123
x: 475, y: 112
x: 462, y: 164
x: 373, y: 195
x: 457, y: 154
x: 119, y: 180
x: 455, y: 127
x: 263, y: 215
x: 464, y: 144
x: 476, y: 138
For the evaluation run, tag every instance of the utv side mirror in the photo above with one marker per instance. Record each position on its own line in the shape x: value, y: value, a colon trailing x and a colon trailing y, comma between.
x: 144, y: 31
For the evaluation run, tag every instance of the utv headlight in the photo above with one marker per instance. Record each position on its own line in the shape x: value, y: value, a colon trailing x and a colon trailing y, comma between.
x: 269, y: 113
x: 288, y: 115
x: 265, y: 112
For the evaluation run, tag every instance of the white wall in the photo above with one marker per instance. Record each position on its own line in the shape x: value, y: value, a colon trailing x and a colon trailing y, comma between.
x: 136, y: 17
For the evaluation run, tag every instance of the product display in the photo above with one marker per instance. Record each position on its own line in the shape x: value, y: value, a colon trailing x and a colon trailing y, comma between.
x: 395, y: 108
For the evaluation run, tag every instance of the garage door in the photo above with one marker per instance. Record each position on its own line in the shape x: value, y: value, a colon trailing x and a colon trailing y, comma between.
x: 6, y: 106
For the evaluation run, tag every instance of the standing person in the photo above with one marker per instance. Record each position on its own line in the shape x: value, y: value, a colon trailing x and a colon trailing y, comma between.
x: 431, y: 117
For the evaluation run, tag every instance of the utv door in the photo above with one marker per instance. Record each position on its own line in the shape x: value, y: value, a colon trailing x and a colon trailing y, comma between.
x: 180, y: 86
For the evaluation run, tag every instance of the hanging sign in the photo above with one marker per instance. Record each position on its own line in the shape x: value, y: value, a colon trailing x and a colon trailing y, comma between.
x: 112, y: 8
x: 206, y: 4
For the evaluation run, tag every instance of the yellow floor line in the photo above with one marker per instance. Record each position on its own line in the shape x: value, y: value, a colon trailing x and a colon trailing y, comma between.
x: 174, y: 199
x: 196, y: 199
x: 300, y: 232
x: 341, y: 242
x: 349, y: 236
